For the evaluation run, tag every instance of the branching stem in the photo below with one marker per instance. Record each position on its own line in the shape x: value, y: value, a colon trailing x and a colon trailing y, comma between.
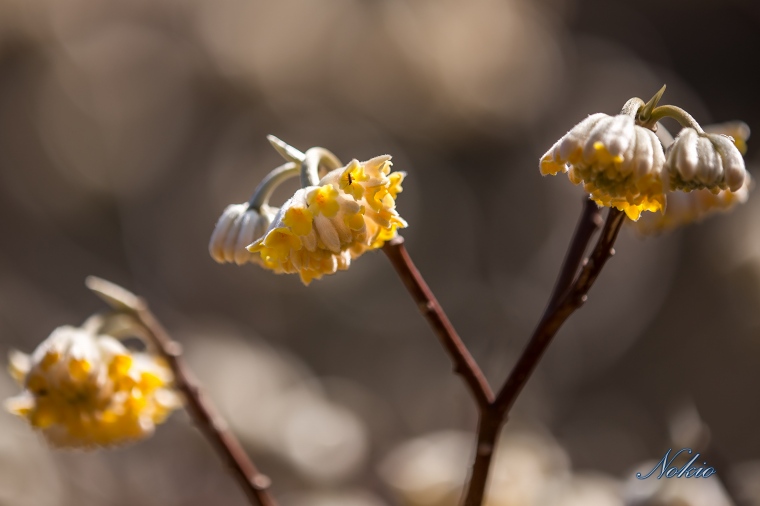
x: 570, y: 292
x: 199, y: 406
x: 464, y: 364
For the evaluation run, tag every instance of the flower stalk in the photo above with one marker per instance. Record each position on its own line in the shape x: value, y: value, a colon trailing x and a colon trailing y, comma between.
x: 463, y: 362
x: 255, y: 485
x: 570, y: 292
x: 274, y: 179
x: 671, y: 111
x: 566, y: 304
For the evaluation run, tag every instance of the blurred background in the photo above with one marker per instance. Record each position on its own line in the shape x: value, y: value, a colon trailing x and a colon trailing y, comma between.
x: 127, y: 127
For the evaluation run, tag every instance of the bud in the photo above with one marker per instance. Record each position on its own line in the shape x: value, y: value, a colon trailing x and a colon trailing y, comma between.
x: 698, y: 160
x: 237, y: 227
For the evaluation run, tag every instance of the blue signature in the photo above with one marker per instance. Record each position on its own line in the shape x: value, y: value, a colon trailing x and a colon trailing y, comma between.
x: 667, y: 468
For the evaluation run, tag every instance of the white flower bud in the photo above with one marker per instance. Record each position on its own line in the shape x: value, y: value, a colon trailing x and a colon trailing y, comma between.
x: 698, y: 161
x: 237, y: 227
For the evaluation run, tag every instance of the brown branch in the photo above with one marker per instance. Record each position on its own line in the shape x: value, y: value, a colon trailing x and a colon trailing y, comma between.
x: 568, y: 295
x: 588, y: 223
x: 489, y: 427
x: 464, y: 364
x: 206, y: 417
x: 556, y: 314
x: 492, y: 419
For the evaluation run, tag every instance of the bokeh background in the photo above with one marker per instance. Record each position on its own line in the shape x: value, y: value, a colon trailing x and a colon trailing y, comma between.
x: 127, y: 127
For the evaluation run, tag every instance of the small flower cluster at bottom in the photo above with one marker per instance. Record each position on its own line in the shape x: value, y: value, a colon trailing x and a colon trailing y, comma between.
x: 83, y: 390
x: 322, y: 228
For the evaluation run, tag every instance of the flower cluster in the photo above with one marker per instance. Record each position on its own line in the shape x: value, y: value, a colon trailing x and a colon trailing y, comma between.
x: 323, y: 227
x: 698, y: 160
x: 622, y: 163
x: 619, y: 163
x: 83, y: 390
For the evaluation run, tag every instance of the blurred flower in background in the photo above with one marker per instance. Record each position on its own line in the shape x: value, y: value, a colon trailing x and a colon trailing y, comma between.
x: 530, y: 469
x: 676, y: 492
x: 344, y: 498
x: 283, y: 409
x: 85, y: 390
x: 589, y: 489
x: 25, y: 463
x: 127, y: 127
x: 693, y: 207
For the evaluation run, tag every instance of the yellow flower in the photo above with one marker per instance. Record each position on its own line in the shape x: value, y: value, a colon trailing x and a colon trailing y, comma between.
x: 237, y: 227
x: 395, y: 183
x: 278, y: 244
x: 618, y: 162
x: 698, y: 160
x: 693, y: 207
x: 323, y: 199
x: 83, y: 390
x: 351, y: 178
x: 322, y: 228
x: 299, y: 220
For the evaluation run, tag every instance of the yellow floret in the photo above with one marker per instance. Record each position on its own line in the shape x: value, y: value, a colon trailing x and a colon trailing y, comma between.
x: 277, y: 245
x: 394, y: 188
x: 299, y: 220
x: 324, y: 200
x: 351, y: 179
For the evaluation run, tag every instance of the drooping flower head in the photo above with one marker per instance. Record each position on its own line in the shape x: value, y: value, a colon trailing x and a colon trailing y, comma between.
x: 622, y: 163
x: 83, y: 390
x: 618, y: 162
x: 323, y: 227
x: 692, y: 206
x: 697, y: 160
x: 338, y: 213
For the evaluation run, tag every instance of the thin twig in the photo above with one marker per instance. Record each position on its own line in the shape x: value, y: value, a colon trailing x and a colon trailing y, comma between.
x: 493, y: 419
x: 206, y: 417
x: 568, y: 295
x: 490, y: 423
x: 464, y: 364
x: 588, y: 223
x: 557, y: 314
